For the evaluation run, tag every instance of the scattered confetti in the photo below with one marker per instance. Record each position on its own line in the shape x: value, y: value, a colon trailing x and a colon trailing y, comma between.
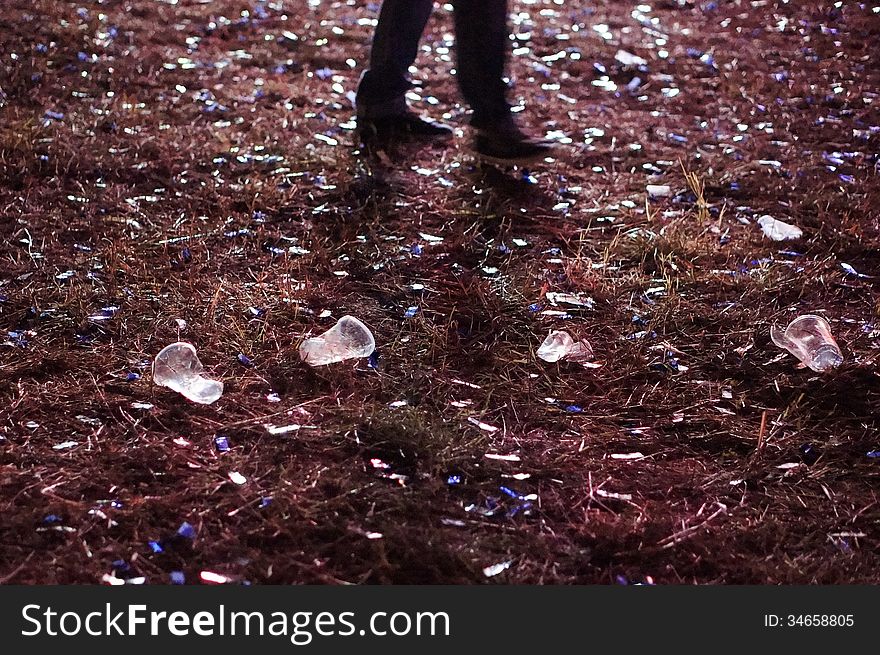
x: 213, y: 578
x: 495, y: 569
x: 481, y: 425
x: 195, y: 172
x: 65, y: 445
x: 503, y: 458
x: 627, y: 456
x: 186, y: 531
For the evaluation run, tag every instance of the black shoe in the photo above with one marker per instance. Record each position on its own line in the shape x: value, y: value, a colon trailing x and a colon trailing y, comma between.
x: 505, y: 144
x: 407, y: 124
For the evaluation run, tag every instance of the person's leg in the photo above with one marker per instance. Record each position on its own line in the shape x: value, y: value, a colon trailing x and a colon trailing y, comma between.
x: 395, y: 46
x: 482, y: 41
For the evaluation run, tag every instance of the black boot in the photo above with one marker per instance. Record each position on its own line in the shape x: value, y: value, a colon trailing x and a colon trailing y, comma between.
x: 396, y: 121
x: 503, y: 143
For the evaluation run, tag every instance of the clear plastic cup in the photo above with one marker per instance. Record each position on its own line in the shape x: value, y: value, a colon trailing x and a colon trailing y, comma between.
x: 348, y: 339
x: 560, y: 345
x: 178, y: 368
x: 809, y: 338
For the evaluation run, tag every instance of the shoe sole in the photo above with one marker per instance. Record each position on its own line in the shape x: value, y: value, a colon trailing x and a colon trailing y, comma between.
x: 403, y: 137
x: 515, y: 161
x: 372, y: 134
x: 446, y: 136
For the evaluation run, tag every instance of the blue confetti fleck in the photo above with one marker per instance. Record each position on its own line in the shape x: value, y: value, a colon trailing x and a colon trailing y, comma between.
x: 453, y: 480
x: 410, y: 312
x: 155, y: 546
x: 222, y: 443
x: 519, y: 508
x: 510, y: 492
x: 809, y: 454
x: 244, y: 360
x: 186, y: 531
x: 17, y: 339
x: 177, y: 577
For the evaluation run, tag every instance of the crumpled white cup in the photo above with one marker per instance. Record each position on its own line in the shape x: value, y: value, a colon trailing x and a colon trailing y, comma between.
x: 348, y: 339
x: 178, y: 368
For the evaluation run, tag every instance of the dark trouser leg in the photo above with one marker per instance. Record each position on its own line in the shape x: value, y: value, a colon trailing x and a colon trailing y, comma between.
x: 482, y: 40
x: 395, y: 46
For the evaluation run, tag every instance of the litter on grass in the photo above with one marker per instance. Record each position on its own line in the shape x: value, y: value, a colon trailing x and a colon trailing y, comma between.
x: 560, y: 345
x: 809, y: 338
x: 178, y: 368
x: 348, y: 339
x: 779, y: 230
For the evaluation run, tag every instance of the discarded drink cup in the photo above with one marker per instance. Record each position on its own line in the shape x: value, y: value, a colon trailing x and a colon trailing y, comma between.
x: 348, y: 339
x: 560, y: 345
x: 178, y: 368
x: 809, y: 338
x: 779, y: 230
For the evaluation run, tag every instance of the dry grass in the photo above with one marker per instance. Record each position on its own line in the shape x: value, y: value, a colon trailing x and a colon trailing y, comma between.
x: 217, y: 205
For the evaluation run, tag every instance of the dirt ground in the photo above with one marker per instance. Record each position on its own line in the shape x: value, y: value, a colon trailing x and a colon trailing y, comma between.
x: 186, y: 169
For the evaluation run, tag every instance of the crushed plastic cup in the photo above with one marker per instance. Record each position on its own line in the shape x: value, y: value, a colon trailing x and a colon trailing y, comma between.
x: 779, y: 230
x: 809, y: 338
x: 560, y: 345
x: 178, y: 368
x: 348, y: 339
